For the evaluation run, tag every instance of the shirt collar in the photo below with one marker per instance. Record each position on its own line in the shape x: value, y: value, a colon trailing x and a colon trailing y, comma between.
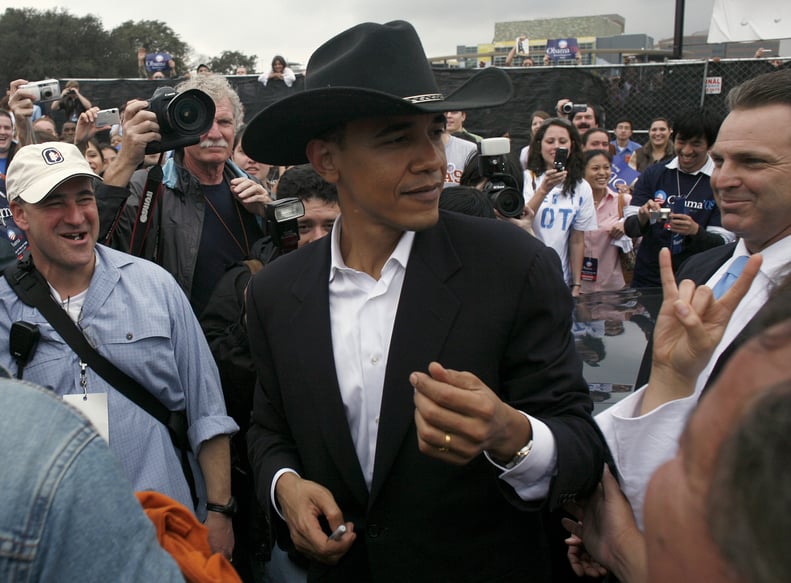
x: 707, y: 169
x: 399, y: 256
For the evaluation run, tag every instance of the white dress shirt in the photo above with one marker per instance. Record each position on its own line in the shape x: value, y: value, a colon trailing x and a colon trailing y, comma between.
x: 641, y: 443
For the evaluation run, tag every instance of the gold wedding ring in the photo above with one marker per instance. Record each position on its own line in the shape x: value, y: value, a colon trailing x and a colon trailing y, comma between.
x: 447, y: 443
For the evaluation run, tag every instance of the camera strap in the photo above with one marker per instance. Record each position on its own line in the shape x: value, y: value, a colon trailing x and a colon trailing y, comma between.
x: 146, y: 213
x: 31, y: 287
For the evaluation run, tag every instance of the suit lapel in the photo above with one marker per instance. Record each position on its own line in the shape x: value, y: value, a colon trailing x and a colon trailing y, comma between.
x: 426, y: 311
x: 707, y: 264
x: 317, y: 366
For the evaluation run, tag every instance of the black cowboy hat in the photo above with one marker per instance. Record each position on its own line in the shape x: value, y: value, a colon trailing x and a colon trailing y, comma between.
x: 367, y: 71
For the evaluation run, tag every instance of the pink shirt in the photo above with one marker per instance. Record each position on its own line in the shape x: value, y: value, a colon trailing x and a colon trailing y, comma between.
x: 601, y: 266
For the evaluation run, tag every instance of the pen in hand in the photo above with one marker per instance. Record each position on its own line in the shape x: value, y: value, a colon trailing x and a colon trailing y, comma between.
x: 338, y: 533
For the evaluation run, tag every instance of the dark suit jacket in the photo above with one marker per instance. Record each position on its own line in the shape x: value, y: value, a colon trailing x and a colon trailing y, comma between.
x: 700, y: 267
x: 478, y: 295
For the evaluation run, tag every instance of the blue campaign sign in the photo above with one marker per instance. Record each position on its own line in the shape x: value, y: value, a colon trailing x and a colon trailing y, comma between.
x: 157, y: 62
x: 622, y: 173
x: 562, y: 49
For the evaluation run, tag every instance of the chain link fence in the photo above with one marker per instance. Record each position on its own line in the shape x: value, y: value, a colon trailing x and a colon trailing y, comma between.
x: 643, y: 92
x: 638, y: 92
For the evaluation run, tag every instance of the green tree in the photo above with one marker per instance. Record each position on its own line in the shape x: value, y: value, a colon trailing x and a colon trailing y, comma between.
x: 228, y: 61
x: 37, y: 45
x: 154, y: 36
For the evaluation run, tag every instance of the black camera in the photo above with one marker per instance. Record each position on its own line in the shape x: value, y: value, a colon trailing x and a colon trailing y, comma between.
x: 502, y: 188
x: 572, y: 108
x: 282, y: 222
x: 182, y: 117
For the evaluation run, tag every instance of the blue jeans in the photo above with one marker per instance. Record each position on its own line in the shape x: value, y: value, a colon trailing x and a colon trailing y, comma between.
x: 67, y: 513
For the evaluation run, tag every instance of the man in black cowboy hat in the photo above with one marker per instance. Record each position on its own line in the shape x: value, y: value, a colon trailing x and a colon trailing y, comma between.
x: 437, y: 404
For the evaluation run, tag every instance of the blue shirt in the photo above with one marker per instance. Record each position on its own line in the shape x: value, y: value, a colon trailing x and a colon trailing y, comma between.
x: 137, y: 316
x: 630, y: 148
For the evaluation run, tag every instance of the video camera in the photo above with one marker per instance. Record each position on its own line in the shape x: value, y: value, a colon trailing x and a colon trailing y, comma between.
x: 502, y: 188
x: 282, y: 222
x: 182, y: 117
x: 571, y: 109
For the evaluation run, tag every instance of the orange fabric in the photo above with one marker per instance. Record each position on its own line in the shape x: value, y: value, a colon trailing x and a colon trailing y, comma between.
x: 186, y: 539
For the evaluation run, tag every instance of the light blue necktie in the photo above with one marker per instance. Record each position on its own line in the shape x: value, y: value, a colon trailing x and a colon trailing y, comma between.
x: 733, y: 273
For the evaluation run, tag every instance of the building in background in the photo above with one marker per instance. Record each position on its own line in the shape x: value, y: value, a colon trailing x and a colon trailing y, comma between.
x: 601, y: 40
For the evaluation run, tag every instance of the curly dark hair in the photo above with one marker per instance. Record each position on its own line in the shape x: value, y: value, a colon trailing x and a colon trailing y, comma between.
x: 575, y: 165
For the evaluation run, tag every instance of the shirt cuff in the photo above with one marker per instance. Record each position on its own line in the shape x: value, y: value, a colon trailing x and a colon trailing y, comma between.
x: 531, y: 477
x: 272, y: 489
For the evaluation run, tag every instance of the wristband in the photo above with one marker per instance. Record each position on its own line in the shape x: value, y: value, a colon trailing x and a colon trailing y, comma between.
x: 228, y: 509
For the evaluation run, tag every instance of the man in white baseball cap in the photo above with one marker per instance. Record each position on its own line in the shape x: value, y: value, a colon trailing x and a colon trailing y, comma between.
x: 137, y: 317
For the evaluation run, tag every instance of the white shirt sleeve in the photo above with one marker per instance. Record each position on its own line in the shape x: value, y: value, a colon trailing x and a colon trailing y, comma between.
x: 531, y: 477
x: 289, y: 77
x: 641, y: 443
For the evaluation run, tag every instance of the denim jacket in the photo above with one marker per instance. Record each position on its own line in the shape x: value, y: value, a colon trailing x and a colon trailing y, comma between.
x: 67, y: 513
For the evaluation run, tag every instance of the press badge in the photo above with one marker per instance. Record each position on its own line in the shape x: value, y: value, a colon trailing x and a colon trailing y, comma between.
x: 94, y: 407
x: 590, y: 267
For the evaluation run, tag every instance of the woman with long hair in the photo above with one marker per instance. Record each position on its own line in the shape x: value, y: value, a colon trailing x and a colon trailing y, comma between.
x: 279, y: 72
x: 658, y: 149
x: 601, y: 266
x: 559, y: 196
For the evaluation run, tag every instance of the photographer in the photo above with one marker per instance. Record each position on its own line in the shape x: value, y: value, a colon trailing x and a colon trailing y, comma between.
x: 474, y: 177
x: 673, y: 204
x: 72, y: 102
x: 559, y: 196
x: 209, y: 210
x: 224, y: 324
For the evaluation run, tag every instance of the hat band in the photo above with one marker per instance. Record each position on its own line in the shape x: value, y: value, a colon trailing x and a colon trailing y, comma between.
x: 425, y: 98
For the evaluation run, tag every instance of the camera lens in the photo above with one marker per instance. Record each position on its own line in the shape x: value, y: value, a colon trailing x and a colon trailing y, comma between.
x: 188, y: 114
x: 509, y: 202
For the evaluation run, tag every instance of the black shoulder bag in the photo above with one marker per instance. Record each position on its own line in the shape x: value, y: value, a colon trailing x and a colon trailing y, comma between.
x: 32, y: 289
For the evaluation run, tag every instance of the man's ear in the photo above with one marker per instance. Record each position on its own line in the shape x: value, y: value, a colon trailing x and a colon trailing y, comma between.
x: 321, y: 155
x: 19, y: 215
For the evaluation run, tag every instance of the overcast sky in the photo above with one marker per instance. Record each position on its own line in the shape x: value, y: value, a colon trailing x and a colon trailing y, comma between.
x: 295, y: 28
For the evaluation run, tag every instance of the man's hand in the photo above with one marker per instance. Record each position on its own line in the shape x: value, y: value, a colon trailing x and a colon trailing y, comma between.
x: 683, y: 224
x: 301, y: 503
x: 644, y: 212
x: 20, y: 102
x: 140, y: 128
x: 605, y: 535
x: 688, y: 328
x: 86, y: 127
x: 220, y: 529
x: 525, y: 221
x: 458, y: 416
x: 251, y: 194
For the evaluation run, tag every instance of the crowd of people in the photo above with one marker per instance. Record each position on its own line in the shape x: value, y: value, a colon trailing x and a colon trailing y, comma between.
x: 294, y: 332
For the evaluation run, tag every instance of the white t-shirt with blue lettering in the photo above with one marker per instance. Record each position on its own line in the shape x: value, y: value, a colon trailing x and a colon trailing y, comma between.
x: 560, y: 213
